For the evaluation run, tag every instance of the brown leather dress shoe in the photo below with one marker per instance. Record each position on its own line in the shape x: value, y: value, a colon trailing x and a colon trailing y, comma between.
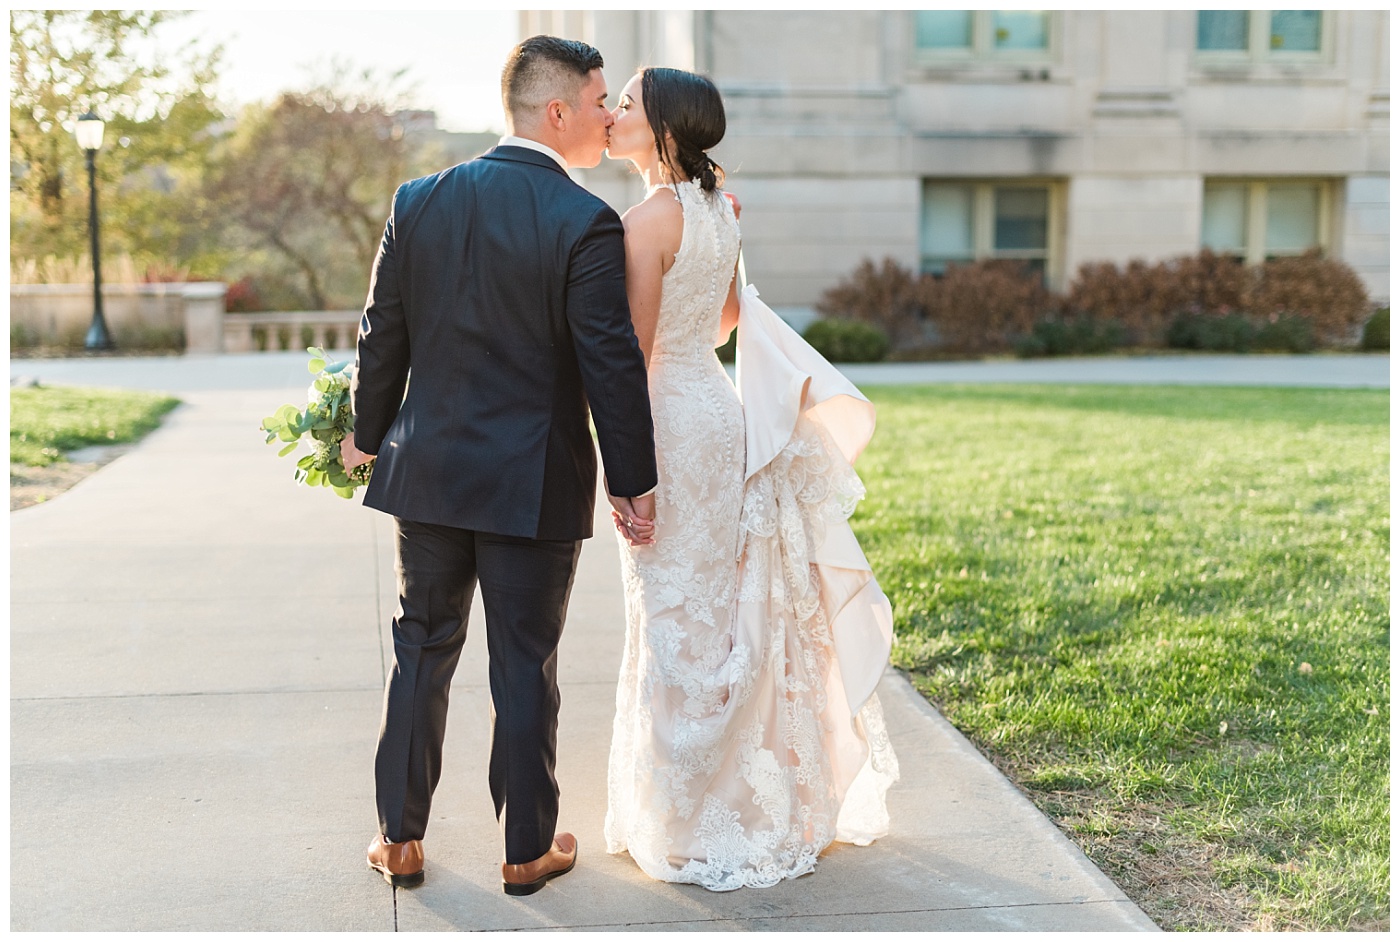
x: 401, y: 864
x: 524, y: 879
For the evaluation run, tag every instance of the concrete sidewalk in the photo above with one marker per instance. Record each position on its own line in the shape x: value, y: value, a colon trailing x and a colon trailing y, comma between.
x: 198, y: 650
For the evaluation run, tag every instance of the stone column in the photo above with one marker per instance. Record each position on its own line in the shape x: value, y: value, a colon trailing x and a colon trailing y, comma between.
x: 204, y: 316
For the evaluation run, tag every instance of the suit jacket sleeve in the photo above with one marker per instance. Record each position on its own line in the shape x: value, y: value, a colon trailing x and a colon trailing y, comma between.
x: 609, y: 358
x: 381, y: 349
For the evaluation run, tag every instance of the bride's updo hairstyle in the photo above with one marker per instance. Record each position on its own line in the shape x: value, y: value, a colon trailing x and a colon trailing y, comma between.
x: 687, y: 106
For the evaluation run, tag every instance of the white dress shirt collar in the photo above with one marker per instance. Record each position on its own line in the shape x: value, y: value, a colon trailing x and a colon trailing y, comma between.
x: 512, y: 141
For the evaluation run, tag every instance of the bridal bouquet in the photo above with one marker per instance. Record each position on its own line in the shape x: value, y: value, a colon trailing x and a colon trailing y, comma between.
x: 323, y: 424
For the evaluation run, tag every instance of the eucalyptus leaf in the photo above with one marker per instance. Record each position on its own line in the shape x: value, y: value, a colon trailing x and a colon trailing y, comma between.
x: 316, y: 365
x: 337, y: 367
x: 288, y: 450
x: 346, y: 492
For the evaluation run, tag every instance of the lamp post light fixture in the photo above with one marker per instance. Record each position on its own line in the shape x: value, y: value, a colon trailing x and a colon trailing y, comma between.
x: 89, y: 134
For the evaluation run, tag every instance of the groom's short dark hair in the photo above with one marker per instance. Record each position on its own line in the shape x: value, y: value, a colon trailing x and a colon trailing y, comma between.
x: 543, y: 68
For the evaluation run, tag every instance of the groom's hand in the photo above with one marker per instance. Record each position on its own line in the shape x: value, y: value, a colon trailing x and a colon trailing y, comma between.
x: 350, y: 456
x: 635, y: 518
x: 733, y: 201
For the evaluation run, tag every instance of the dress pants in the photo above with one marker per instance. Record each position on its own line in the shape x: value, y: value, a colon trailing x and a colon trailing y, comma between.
x: 525, y: 586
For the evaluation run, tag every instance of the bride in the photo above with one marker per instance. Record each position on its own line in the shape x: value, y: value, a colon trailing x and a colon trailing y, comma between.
x: 747, y: 735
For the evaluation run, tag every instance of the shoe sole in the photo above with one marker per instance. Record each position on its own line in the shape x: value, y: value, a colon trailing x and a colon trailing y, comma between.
x: 525, y: 889
x: 401, y: 880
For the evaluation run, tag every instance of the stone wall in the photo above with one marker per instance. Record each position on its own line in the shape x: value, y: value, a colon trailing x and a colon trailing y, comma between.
x: 185, y: 316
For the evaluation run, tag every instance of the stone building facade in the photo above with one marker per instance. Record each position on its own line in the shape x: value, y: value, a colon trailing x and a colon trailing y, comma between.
x: 1057, y: 137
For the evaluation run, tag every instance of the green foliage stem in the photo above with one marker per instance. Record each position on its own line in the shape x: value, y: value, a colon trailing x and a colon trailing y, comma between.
x: 323, y: 424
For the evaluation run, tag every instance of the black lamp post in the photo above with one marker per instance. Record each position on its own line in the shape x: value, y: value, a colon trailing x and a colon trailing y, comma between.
x: 89, y: 134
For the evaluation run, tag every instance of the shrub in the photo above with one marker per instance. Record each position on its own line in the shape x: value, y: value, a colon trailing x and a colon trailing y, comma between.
x: 164, y: 272
x: 1147, y: 299
x: 243, y: 296
x: 1376, y: 335
x: 1230, y: 332
x: 1290, y: 333
x: 981, y: 307
x: 1203, y: 301
x: 23, y: 337
x: 842, y: 341
x: 149, y: 338
x: 1059, y: 338
x: 727, y: 350
x: 1323, y: 290
x: 1208, y: 282
x: 887, y: 298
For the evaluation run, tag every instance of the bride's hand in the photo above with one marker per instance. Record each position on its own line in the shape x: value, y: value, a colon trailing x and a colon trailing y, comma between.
x: 634, y: 518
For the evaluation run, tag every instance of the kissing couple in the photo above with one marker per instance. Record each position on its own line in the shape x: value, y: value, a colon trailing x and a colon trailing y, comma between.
x: 747, y: 735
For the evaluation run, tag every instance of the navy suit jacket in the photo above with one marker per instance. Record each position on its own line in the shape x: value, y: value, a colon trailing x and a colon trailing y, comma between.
x: 498, y: 297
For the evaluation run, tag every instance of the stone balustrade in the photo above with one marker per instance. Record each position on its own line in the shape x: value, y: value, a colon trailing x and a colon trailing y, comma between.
x: 165, y: 316
x: 290, y: 330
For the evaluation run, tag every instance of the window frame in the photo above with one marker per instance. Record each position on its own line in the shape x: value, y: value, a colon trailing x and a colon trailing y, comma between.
x: 1256, y: 213
x: 983, y: 49
x: 984, y: 221
x: 1258, y: 51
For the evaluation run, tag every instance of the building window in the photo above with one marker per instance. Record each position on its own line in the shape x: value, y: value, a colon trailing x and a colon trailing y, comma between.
x: 964, y: 221
x: 1239, y: 35
x: 1254, y: 220
x: 985, y: 33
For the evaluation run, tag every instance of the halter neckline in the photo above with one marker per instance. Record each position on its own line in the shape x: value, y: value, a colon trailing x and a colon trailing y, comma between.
x: 668, y: 186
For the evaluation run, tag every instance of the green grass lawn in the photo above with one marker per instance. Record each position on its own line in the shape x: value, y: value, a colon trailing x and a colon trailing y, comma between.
x: 1165, y: 613
x: 46, y: 421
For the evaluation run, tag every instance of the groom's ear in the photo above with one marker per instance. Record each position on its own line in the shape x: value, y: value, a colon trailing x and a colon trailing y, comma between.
x: 554, y: 113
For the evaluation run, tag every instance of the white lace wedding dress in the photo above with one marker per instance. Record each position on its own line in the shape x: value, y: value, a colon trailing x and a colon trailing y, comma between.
x: 747, y: 736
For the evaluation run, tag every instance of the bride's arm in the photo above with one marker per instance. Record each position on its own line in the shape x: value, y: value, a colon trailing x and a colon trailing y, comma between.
x: 644, y: 272
x: 729, y: 318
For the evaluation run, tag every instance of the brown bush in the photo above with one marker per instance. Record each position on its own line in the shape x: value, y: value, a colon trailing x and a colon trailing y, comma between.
x: 887, y: 297
x: 1325, y: 291
x: 1142, y: 297
x: 984, y: 306
x: 980, y: 307
x: 1211, y: 283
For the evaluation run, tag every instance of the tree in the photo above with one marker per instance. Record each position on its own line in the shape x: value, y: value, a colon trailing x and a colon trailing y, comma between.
x: 311, y: 176
x: 159, y: 113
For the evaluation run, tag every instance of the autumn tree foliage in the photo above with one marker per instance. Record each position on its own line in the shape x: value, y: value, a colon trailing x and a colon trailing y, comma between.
x: 307, y: 182
x: 160, y: 117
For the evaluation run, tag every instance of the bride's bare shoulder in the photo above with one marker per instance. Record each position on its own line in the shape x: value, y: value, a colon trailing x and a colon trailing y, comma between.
x: 659, y: 209
x: 656, y: 220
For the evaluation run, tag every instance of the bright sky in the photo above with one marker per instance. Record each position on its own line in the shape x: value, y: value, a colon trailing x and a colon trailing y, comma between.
x: 453, y: 57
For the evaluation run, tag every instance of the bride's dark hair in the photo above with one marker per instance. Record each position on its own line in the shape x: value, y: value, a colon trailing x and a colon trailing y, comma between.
x: 689, y: 107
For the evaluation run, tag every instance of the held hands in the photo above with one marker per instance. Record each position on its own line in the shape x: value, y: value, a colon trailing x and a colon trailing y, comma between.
x: 635, y: 518
x: 350, y: 456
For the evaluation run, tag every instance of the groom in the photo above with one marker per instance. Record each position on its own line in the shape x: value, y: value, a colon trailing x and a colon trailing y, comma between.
x: 499, y: 285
